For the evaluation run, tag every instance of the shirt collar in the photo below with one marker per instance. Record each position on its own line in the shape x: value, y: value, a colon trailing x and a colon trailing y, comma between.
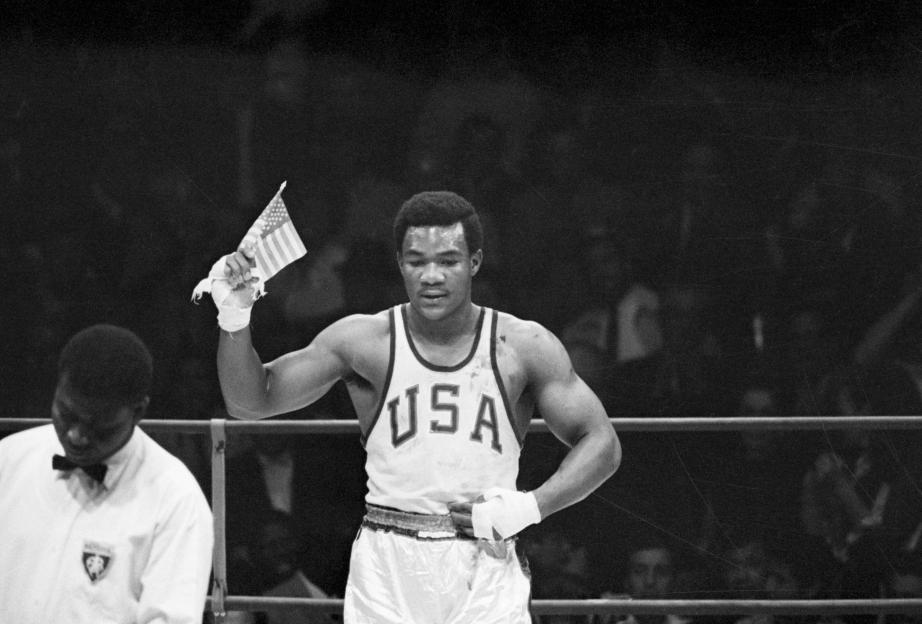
x: 118, y: 461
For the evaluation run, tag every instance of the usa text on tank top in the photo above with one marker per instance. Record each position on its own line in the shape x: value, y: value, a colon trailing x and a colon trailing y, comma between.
x: 441, y: 434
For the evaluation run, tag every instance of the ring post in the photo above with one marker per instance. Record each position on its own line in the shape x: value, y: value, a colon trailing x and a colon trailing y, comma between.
x: 219, y: 586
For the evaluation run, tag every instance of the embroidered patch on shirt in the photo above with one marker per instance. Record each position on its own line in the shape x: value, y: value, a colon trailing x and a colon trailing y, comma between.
x: 97, y: 559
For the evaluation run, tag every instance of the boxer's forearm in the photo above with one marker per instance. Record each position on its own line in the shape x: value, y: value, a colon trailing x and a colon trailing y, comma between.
x: 588, y: 464
x: 242, y: 375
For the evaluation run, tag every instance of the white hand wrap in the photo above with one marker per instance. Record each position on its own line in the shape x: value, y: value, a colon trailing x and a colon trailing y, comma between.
x: 505, y: 511
x: 231, y: 317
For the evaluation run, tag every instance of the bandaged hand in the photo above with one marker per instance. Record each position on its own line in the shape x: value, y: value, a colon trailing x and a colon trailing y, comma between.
x: 234, y: 283
x: 504, y: 513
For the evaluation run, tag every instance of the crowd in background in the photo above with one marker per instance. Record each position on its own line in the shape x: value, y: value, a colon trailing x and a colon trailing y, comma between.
x: 705, y: 243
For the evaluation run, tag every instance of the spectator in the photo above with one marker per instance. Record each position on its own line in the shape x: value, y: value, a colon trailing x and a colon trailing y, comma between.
x: 859, y: 499
x: 879, y: 240
x: 750, y: 480
x: 291, y: 475
x: 620, y: 313
x: 693, y: 238
x: 548, y: 220
x: 751, y: 571
x: 590, y: 363
x: 560, y: 569
x: 650, y: 572
x: 903, y: 580
x: 684, y: 375
x: 278, y: 563
x: 192, y: 394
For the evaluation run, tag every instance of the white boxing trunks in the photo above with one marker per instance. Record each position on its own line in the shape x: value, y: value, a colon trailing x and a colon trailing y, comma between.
x: 409, y: 568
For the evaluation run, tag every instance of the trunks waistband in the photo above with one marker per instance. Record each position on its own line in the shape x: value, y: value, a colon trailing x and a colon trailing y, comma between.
x: 420, y: 526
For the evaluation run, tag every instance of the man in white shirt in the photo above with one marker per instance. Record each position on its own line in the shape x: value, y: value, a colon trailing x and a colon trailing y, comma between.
x: 100, y: 524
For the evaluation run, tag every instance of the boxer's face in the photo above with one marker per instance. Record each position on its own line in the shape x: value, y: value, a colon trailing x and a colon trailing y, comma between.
x: 437, y: 269
x: 89, y: 429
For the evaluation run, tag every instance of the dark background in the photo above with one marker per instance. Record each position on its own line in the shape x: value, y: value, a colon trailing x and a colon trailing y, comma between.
x: 120, y: 184
x: 768, y: 36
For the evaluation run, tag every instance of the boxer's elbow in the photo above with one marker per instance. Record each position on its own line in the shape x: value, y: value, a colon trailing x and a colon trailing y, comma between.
x: 612, y: 453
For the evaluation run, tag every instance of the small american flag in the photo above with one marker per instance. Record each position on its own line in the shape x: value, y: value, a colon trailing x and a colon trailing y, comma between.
x: 273, y: 238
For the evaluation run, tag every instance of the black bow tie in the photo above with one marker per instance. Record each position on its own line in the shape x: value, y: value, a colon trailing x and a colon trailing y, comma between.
x: 96, y: 471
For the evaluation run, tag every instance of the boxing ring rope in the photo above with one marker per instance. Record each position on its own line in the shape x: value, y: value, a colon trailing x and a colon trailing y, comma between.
x: 219, y: 602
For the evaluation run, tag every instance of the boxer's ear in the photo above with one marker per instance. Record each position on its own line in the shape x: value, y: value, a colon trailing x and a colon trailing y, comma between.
x: 476, y: 261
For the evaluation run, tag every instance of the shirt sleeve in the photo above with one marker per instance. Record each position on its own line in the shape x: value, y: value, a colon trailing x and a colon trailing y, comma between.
x: 174, y: 584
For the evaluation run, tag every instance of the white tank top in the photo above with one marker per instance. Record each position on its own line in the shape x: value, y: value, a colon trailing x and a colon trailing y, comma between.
x: 441, y: 434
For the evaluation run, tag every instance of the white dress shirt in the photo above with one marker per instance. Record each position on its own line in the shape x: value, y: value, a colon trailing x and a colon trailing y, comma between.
x: 135, y: 549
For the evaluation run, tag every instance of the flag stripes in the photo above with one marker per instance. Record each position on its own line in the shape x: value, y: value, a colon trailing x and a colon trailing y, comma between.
x: 274, y: 239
